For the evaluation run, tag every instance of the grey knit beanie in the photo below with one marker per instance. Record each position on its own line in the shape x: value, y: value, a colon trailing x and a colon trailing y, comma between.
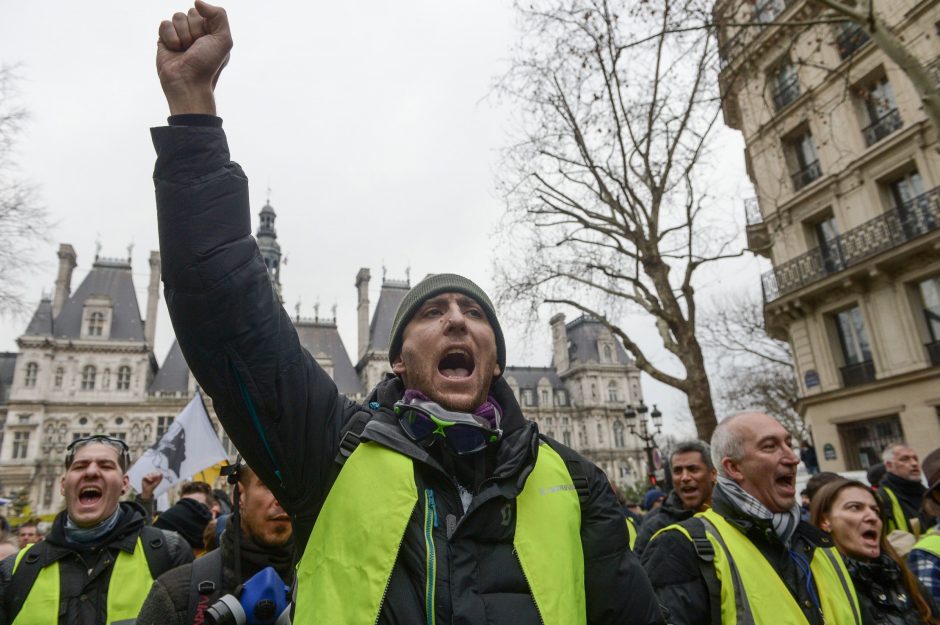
x: 435, y: 285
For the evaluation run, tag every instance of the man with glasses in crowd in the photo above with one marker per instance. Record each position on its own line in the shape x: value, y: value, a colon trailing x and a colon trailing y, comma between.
x: 435, y: 500
x: 100, y: 558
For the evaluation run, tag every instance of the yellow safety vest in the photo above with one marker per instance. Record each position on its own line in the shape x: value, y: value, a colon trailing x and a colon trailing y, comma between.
x: 752, y: 592
x: 631, y: 532
x: 898, y: 520
x: 344, y: 573
x: 930, y: 542
x: 128, y: 587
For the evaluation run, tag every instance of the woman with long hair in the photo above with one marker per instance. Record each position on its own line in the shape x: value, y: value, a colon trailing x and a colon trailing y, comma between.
x: 888, y: 594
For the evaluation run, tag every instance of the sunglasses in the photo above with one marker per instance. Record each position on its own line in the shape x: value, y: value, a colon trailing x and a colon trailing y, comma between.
x: 463, y: 433
x: 124, y: 453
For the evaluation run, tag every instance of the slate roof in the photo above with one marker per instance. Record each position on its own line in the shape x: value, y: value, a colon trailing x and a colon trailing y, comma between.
x: 529, y: 377
x: 323, y: 337
x: 173, y: 376
x: 380, y: 330
x: 582, y: 340
x: 7, y: 364
x: 41, y: 323
x: 107, y: 277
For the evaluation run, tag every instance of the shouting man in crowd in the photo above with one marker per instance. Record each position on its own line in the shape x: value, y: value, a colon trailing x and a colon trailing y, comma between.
x: 435, y: 500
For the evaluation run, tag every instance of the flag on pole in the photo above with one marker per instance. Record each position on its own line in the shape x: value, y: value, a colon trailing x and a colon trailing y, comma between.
x: 189, y: 446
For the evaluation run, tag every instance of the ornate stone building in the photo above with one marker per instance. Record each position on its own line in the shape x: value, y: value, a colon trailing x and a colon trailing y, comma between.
x: 847, y: 175
x: 86, y: 365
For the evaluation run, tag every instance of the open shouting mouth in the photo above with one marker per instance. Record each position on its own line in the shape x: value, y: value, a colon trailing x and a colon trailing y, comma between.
x: 456, y: 363
x: 89, y: 495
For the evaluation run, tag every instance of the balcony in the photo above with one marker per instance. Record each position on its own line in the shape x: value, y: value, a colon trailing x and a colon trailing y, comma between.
x: 851, y: 39
x: 786, y: 94
x: 859, y: 373
x: 933, y: 352
x: 882, y: 127
x: 806, y: 175
x: 886, y: 231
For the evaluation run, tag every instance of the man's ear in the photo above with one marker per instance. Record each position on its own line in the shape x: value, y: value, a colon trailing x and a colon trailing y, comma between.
x: 398, y: 367
x: 731, y: 469
x: 62, y: 486
x: 125, y: 484
x: 497, y: 371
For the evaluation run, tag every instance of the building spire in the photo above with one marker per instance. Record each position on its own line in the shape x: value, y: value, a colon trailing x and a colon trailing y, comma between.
x: 267, y: 243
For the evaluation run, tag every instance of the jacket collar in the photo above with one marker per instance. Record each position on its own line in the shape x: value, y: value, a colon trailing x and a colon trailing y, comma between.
x: 123, y: 536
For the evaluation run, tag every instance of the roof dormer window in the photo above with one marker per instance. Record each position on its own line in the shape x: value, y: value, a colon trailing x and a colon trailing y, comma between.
x: 96, y: 318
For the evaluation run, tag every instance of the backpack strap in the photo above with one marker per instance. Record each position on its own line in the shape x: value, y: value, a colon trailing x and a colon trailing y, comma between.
x: 156, y: 550
x: 351, y: 437
x: 706, y: 564
x: 24, y: 576
x: 205, y: 586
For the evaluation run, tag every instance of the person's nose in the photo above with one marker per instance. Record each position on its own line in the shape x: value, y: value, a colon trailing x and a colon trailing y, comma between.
x: 790, y: 456
x: 453, y: 318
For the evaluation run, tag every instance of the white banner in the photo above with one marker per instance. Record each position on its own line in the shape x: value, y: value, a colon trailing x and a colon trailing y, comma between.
x: 189, y: 446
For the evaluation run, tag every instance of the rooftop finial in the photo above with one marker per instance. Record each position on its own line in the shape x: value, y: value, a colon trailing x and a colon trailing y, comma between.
x: 130, y: 251
x: 334, y: 312
x: 316, y: 311
x: 384, y: 270
x: 297, y: 310
x: 408, y: 275
x: 97, y: 245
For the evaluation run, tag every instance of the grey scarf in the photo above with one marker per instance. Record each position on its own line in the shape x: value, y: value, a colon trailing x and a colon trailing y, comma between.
x: 86, y: 535
x: 784, y: 523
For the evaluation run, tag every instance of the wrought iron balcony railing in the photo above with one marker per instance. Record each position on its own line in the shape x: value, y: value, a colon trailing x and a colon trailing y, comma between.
x: 933, y: 352
x: 752, y: 212
x: 888, y: 230
x: 851, y: 39
x: 806, y: 175
x: 786, y: 94
x: 882, y: 127
x: 859, y: 373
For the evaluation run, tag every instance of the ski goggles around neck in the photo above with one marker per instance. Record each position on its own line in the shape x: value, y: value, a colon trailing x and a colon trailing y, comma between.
x: 424, y: 420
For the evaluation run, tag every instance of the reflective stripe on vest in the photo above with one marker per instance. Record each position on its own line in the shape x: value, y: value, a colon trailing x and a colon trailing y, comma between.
x: 752, y: 592
x: 930, y: 543
x: 344, y: 573
x: 128, y: 587
x: 898, y: 520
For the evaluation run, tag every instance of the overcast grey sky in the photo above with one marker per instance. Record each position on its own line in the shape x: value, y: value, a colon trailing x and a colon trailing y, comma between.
x: 368, y: 120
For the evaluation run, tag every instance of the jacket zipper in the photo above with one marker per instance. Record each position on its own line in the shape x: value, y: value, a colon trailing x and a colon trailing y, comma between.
x: 526, y: 578
x: 388, y: 582
x: 430, y: 522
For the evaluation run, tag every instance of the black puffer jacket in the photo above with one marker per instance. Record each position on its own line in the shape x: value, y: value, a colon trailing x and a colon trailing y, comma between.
x: 673, y: 566
x: 285, y: 415
x: 882, y: 597
x: 672, y: 511
x: 85, y: 574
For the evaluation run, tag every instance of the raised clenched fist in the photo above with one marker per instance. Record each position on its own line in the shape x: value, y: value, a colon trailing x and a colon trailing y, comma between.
x: 192, y: 49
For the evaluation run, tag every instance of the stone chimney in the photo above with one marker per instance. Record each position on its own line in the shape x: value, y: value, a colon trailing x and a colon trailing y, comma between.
x: 63, y: 282
x: 559, y: 343
x: 362, y: 286
x: 153, y: 297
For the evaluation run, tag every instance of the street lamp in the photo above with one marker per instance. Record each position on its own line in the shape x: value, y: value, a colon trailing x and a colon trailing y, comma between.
x: 641, y: 426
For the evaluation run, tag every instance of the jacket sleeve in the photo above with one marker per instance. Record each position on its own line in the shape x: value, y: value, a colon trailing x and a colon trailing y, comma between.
x: 276, y: 403
x: 673, y: 569
x: 6, y: 576
x: 158, y: 608
x: 615, y: 586
x: 180, y: 551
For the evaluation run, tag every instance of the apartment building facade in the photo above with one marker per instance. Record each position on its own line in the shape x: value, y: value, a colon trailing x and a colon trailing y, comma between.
x: 847, y: 177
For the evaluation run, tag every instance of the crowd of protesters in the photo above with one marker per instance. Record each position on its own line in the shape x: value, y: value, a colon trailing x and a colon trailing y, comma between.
x: 436, y: 499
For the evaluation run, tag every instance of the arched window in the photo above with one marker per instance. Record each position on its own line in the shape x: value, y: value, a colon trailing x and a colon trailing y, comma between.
x: 124, y: 378
x: 608, y: 357
x: 619, y: 438
x: 32, y: 374
x: 59, y: 374
x: 88, y: 378
x: 96, y: 324
x: 612, y: 391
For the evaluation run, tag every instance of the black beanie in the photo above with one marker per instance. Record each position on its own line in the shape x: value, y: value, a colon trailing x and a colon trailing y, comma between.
x: 435, y: 285
x: 188, y: 518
